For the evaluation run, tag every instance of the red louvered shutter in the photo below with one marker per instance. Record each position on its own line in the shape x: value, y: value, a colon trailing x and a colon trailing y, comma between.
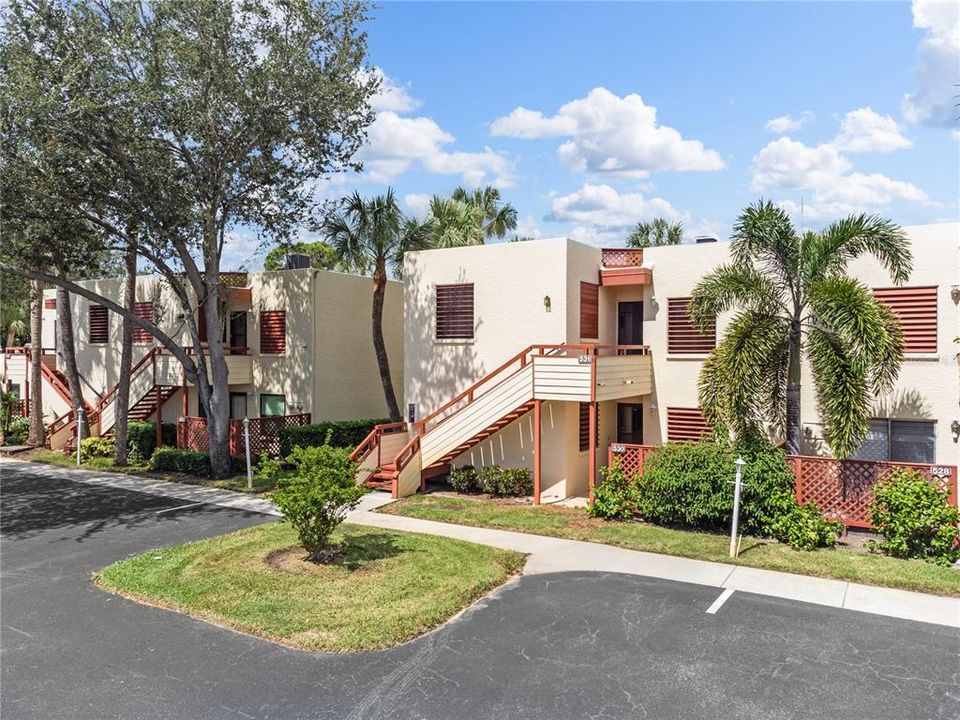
x: 98, y: 321
x: 687, y: 424
x: 683, y: 337
x: 454, y: 312
x: 917, y: 309
x: 273, y: 332
x: 142, y: 310
x: 589, y: 310
x: 50, y: 304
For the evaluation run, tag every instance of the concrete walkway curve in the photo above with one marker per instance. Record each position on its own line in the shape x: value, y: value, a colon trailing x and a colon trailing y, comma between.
x: 552, y: 555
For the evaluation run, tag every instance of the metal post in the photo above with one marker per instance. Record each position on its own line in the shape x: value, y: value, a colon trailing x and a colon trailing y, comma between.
x: 79, y: 412
x: 246, y: 440
x: 740, y: 462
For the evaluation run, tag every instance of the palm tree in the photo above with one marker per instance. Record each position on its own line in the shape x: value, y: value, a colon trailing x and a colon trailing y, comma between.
x: 453, y: 223
x: 655, y: 233
x: 793, y: 298
x: 373, y: 233
x: 497, y: 217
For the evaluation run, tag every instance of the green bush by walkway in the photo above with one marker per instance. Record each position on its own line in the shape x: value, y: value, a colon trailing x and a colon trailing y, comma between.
x: 338, y: 433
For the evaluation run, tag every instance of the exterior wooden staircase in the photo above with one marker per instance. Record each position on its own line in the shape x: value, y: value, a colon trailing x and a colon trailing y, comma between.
x: 498, y: 399
x: 147, y: 391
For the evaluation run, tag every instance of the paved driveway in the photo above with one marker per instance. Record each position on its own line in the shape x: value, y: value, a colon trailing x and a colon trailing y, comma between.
x: 573, y: 645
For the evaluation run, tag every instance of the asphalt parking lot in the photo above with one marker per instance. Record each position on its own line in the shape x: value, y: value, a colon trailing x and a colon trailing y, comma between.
x: 572, y: 645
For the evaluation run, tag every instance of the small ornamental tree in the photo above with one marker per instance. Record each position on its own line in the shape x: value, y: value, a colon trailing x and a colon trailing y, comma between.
x: 316, y: 498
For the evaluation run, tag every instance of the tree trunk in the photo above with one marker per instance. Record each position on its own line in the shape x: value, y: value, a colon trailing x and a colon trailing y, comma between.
x: 383, y: 362
x: 215, y: 394
x: 68, y: 352
x: 793, y: 392
x: 11, y: 336
x: 36, y: 433
x: 126, y: 358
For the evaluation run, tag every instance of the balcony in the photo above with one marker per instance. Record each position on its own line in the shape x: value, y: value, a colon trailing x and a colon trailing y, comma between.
x: 239, y: 365
x: 623, y: 266
x: 617, y: 372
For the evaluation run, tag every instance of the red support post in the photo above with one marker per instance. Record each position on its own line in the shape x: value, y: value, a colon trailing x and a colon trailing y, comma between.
x: 592, y: 461
x: 536, y: 452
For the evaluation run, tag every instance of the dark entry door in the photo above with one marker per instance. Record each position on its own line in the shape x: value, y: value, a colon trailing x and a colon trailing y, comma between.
x: 630, y: 324
x: 238, y: 332
x: 630, y: 423
x: 238, y: 406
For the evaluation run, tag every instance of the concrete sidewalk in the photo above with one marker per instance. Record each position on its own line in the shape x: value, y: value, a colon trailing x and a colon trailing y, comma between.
x: 551, y: 555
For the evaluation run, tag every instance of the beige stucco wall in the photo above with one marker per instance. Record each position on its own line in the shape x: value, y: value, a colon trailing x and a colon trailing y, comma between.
x: 329, y: 368
x: 510, y: 281
x: 928, y: 386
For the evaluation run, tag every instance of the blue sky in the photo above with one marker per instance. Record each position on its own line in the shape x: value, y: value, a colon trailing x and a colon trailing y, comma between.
x: 592, y: 116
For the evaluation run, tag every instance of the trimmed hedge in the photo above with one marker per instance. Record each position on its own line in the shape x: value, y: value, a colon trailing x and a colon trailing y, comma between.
x: 340, y: 433
x: 165, y: 459
x: 142, y: 440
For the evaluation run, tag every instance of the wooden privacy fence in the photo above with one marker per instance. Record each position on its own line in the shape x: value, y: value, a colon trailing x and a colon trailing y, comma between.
x: 841, y: 489
x: 264, y: 434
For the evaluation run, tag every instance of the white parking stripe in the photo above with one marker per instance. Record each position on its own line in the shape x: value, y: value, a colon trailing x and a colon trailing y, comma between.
x: 179, y: 507
x: 724, y: 596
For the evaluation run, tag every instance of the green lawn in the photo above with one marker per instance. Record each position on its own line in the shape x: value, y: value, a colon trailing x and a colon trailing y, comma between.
x: 861, y: 567
x: 387, y: 588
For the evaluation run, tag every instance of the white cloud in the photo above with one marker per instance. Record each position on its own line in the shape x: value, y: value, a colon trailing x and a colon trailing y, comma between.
x: 955, y: 134
x: 602, y: 206
x: 598, y: 236
x: 789, y: 163
x: 241, y: 250
x: 788, y: 123
x: 392, y: 96
x: 418, y: 204
x: 864, y: 130
x: 936, y: 71
x: 528, y: 227
x: 826, y: 174
x: 396, y: 144
x: 610, y: 135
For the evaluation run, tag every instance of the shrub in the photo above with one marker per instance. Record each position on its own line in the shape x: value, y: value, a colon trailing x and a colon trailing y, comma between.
x: 267, y: 468
x: 505, y: 482
x: 615, y: 496
x: 18, y: 431
x: 804, y: 528
x: 165, y: 459
x: 142, y: 439
x: 338, y: 433
x: 96, y: 447
x: 318, y: 495
x: 768, y: 492
x: 687, y: 484
x: 464, y: 480
x: 914, y: 517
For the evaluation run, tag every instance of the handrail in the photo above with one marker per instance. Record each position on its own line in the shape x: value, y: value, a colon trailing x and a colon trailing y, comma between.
x: 133, y: 372
x: 56, y: 382
x: 373, y: 437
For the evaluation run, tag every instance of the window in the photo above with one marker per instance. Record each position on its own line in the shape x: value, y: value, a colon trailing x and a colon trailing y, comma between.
x: 917, y: 309
x: 98, y: 323
x: 238, y: 405
x: 455, y: 312
x: 899, y: 441
x: 142, y: 310
x: 273, y: 333
x: 687, y: 424
x: 14, y: 389
x: 273, y: 405
x: 585, y: 426
x: 589, y: 310
x: 682, y: 335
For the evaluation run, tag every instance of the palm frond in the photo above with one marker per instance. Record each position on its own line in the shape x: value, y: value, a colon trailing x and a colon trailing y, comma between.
x: 763, y: 234
x: 730, y: 286
x: 842, y: 389
x: 857, y: 235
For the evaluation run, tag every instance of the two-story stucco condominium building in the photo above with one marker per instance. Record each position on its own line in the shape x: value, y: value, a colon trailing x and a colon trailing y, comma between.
x: 542, y: 353
x: 299, y: 342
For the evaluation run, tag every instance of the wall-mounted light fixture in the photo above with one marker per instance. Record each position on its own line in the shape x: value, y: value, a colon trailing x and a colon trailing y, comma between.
x: 546, y: 302
x: 653, y: 409
x: 955, y: 293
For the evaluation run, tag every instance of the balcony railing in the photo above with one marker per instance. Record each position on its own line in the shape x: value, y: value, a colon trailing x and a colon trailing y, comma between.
x: 621, y: 257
